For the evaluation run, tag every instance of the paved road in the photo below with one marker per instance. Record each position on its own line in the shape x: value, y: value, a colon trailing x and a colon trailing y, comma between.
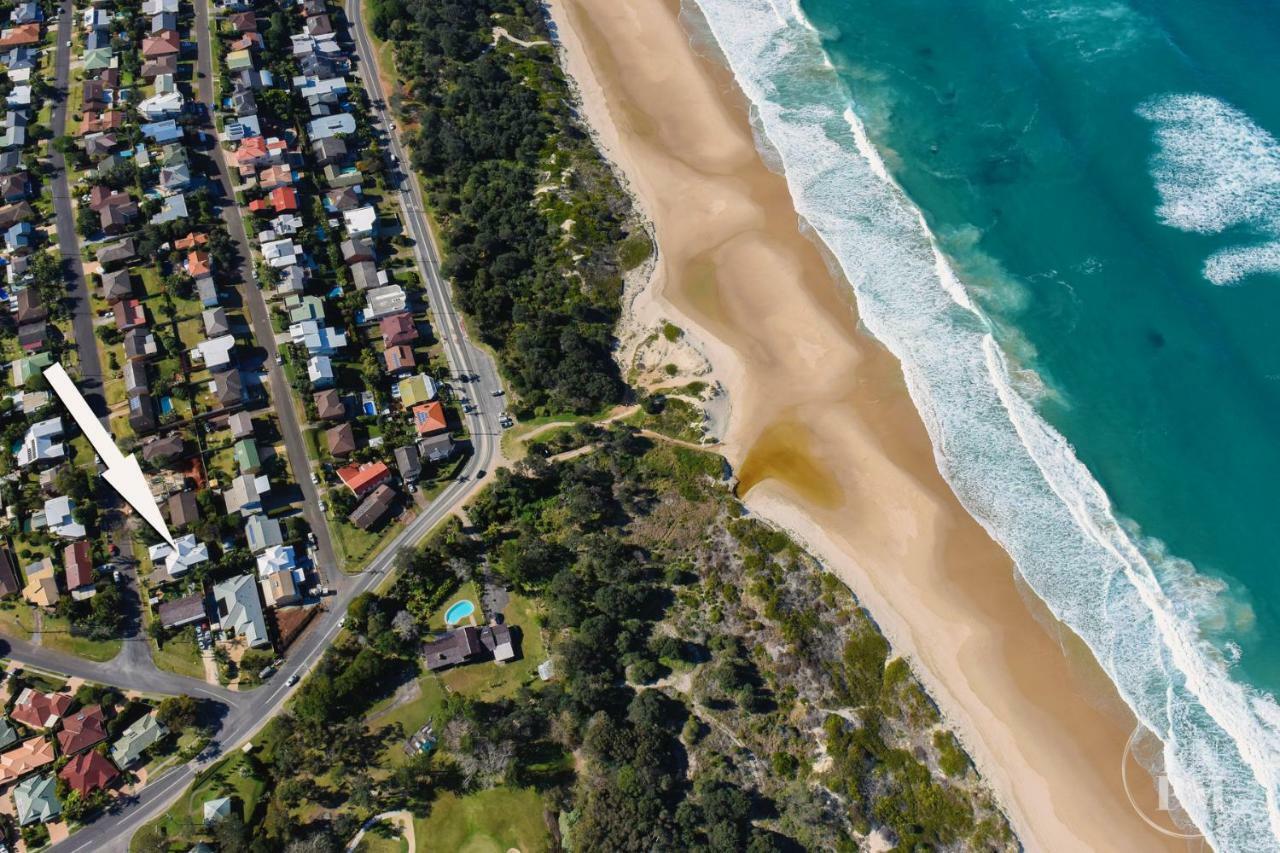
x: 252, y: 710
x: 68, y: 243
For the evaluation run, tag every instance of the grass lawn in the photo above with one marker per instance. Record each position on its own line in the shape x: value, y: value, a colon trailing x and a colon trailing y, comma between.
x: 357, y: 547
x: 411, y: 715
x: 15, y: 620
x: 235, y: 776
x: 57, y: 636
x: 490, y: 681
x: 492, y: 821
x: 180, y: 655
x: 468, y: 591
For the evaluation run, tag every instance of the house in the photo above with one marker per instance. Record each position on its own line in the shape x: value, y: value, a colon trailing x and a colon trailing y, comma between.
x: 281, y: 253
x: 59, y: 512
x: 303, y: 308
x: 8, y: 581
x: 277, y: 558
x: 160, y: 449
x: 240, y: 610
x: 329, y: 406
x: 228, y: 388
x: 362, y: 479
x: 262, y: 533
x: 8, y: 734
x: 30, y: 308
x: 23, y: 370
x: 117, y: 253
x: 216, y: 810
x: 326, y: 127
x: 183, y: 509
x: 429, y: 418
x: 159, y: 7
x: 330, y: 150
x: 135, y: 378
x: 77, y: 562
x: 18, y: 238
x: 11, y: 213
x: 385, y: 301
x: 31, y: 754
x: 37, y: 710
x: 14, y: 186
x: 36, y: 800
x: 180, y: 557
x: 41, y: 443
x: 98, y: 59
x: 13, y: 130
x: 142, y: 733
x: 198, y: 264
x: 284, y: 199
x: 26, y: 13
x: 216, y: 353
x: 99, y: 145
x: 459, y: 646
x: 117, y: 218
x: 140, y: 344
x: 244, y: 103
x: 161, y: 132
x: 341, y: 199
x: 355, y: 250
x: 129, y: 314
x: 162, y: 106
x: 320, y: 371
x: 33, y: 336
x: 241, y: 425
x: 81, y: 730
x: 164, y: 43
x: 317, y: 338
x: 239, y: 60
x: 293, y: 280
x: 366, y: 275
x: 182, y: 611
x: 245, y: 494
x: 246, y: 456
x: 416, y: 389
x: 216, y: 323
x: 341, y: 439
x: 96, y: 121
x: 279, y: 589
x: 361, y: 222
x: 161, y: 65
x: 42, y: 584
x: 243, y: 22
x: 436, y: 448
x: 172, y: 209
x: 21, y: 35
x: 207, y: 291
x: 409, y: 464
x: 88, y: 772
x: 399, y: 359
x: 374, y: 508
x: 117, y: 285
x: 175, y: 177
x: 142, y: 414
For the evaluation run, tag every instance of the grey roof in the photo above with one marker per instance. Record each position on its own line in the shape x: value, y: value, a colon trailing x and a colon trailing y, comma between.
x: 262, y: 532
x: 240, y: 424
x: 365, y: 275
x: 372, y: 509
x: 117, y: 285
x: 36, y: 799
x: 408, y: 462
x: 436, y: 448
x: 182, y: 611
x: 216, y: 322
x: 240, y: 609
x: 133, y: 741
x: 121, y: 250
x: 228, y: 388
x: 160, y: 448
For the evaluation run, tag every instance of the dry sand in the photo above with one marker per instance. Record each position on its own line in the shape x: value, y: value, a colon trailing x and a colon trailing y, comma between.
x: 825, y: 439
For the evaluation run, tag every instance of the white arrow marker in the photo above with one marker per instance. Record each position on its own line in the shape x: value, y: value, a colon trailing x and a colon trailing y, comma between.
x: 123, y: 472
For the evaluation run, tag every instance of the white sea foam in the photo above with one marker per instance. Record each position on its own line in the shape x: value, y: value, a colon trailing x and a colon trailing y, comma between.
x: 1013, y: 472
x: 1215, y: 169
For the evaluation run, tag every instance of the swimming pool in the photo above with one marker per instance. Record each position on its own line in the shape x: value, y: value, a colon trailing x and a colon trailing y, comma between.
x: 458, y: 611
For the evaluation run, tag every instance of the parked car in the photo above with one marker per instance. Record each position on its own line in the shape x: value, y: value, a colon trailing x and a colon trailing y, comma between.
x: 267, y: 672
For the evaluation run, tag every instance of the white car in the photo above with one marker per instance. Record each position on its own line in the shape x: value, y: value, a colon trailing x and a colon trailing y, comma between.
x: 324, y: 507
x: 314, y: 478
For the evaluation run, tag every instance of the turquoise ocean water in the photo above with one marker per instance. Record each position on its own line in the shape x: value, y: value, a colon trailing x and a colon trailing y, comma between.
x: 1064, y: 219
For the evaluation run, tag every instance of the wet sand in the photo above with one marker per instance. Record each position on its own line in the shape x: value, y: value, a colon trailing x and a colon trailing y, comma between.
x: 825, y: 439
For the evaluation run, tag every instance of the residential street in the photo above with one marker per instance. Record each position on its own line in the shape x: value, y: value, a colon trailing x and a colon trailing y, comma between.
x: 249, y: 711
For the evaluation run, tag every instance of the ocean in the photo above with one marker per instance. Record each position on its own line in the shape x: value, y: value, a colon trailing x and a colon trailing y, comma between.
x: 1063, y: 218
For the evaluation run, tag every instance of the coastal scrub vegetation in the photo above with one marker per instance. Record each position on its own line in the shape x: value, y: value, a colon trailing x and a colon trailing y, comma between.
x: 534, y: 223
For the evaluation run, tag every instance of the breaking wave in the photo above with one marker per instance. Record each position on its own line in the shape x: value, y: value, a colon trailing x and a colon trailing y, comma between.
x: 1010, y: 468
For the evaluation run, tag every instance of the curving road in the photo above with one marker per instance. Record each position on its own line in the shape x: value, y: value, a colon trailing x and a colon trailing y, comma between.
x: 248, y: 712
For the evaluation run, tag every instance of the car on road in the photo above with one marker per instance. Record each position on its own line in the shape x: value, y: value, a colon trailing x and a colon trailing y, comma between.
x: 315, y: 478
x: 279, y: 358
x: 392, y: 125
x: 480, y: 474
x: 498, y: 393
x: 293, y: 679
x: 324, y: 507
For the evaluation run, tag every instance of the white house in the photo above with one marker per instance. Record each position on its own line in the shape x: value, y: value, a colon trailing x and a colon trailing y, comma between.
x: 58, y: 515
x: 361, y: 221
x: 41, y: 444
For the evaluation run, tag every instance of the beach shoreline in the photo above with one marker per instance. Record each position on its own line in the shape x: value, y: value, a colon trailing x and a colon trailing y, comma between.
x: 825, y: 439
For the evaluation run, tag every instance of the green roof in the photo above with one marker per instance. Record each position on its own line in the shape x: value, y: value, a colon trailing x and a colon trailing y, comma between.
x: 141, y: 734
x: 27, y: 368
x: 36, y: 798
x: 246, y: 454
x: 238, y: 60
x: 304, y: 308
x: 8, y: 736
x: 97, y: 58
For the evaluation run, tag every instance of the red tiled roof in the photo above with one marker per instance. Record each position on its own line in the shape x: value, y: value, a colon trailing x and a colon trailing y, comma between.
x: 129, y: 313
x: 399, y: 357
x: 398, y: 329
x: 82, y: 730
x: 165, y: 43
x: 40, y: 710
x: 88, y: 771
x: 284, y: 199
x: 20, y: 35
x: 198, y: 264
x: 25, y: 757
x: 78, y: 561
x: 363, y: 478
x: 190, y: 241
x: 429, y: 418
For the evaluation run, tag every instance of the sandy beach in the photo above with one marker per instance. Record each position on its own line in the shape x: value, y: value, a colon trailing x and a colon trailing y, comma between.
x: 825, y: 439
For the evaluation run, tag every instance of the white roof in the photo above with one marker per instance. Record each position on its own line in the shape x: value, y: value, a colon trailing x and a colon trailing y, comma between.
x: 162, y: 105
x: 216, y: 352
x: 386, y: 300
x: 240, y: 610
x: 319, y: 367
x: 188, y: 553
x: 281, y: 253
x: 155, y: 7
x: 317, y: 337
x: 360, y: 220
x: 277, y: 558
x: 326, y: 126
x: 39, y: 444
x: 57, y: 512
